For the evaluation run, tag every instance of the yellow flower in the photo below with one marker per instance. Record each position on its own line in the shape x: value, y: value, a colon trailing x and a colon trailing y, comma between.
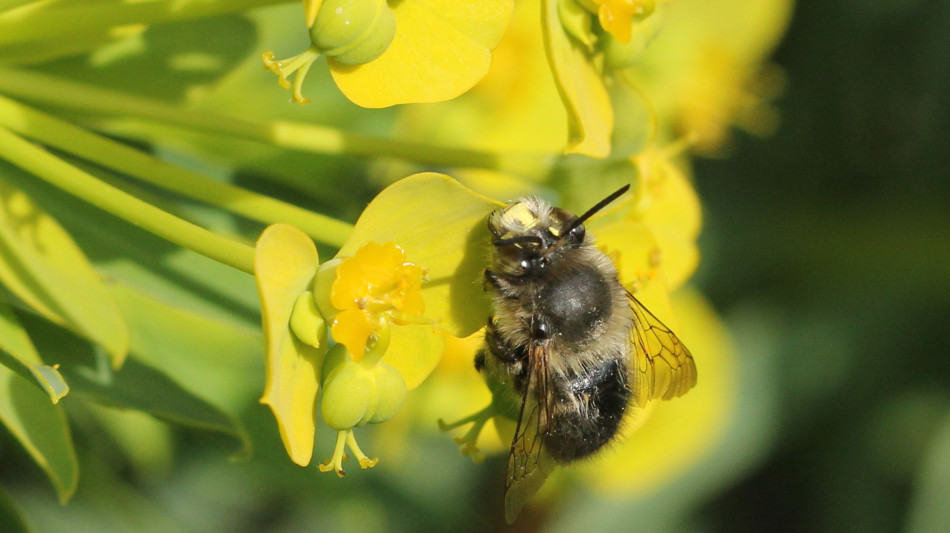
x: 386, y: 53
x: 371, y: 298
x: 705, y: 71
x: 376, y: 284
x: 666, y: 202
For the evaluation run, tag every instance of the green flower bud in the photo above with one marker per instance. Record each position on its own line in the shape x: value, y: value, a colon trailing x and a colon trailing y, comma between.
x: 353, y: 32
x: 307, y: 323
x: 323, y: 284
x: 576, y: 21
x: 349, y: 394
x: 390, y: 392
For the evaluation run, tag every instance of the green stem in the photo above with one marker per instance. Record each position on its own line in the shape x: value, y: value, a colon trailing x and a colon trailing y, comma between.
x: 49, y: 19
x: 111, y: 154
x: 294, y: 135
x: 59, y: 173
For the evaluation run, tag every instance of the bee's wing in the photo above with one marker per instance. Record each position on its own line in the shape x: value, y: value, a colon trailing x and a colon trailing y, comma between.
x: 664, y: 368
x: 528, y: 464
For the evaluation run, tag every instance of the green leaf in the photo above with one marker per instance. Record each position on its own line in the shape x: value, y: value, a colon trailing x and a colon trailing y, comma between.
x: 18, y: 354
x: 168, y: 60
x: 928, y: 508
x: 285, y: 263
x: 220, y: 358
x: 441, y: 226
x: 135, y: 386
x: 42, y: 265
x: 41, y: 429
x: 11, y: 519
x: 140, y: 260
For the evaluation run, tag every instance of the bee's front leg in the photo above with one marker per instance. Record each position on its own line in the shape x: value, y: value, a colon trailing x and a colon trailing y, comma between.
x: 499, y: 285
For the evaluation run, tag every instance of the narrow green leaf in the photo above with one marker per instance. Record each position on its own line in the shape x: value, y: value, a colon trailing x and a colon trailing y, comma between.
x: 41, y: 429
x: 42, y: 265
x: 11, y: 519
x: 928, y: 508
x: 134, y: 257
x: 18, y: 354
x: 139, y: 386
x: 135, y: 386
x: 220, y: 358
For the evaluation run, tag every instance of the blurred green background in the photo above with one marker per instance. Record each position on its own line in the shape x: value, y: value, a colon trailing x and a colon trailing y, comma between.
x: 835, y: 236
x: 826, y: 248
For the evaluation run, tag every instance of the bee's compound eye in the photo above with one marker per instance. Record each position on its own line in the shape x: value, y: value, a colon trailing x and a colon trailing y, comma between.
x: 525, y: 264
x: 577, y: 234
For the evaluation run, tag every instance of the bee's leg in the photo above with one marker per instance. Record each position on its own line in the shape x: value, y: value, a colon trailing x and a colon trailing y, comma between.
x: 498, y: 285
x: 503, y: 351
x: 480, y: 360
x: 492, y: 281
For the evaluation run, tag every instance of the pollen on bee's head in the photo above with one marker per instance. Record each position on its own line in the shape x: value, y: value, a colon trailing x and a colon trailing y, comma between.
x: 520, y: 215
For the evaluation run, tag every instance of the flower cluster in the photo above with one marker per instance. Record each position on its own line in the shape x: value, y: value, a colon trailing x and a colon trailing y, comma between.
x: 365, y: 326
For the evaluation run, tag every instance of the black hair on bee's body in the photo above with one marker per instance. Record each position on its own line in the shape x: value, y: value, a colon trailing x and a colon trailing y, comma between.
x: 555, y: 291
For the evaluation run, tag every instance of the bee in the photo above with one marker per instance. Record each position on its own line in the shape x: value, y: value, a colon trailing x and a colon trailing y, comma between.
x: 567, y: 341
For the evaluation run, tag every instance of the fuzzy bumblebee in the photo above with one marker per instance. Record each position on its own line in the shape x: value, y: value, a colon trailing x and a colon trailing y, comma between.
x: 567, y: 342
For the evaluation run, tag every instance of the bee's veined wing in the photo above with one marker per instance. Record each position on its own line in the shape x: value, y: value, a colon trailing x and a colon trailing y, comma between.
x: 528, y: 464
x: 664, y: 368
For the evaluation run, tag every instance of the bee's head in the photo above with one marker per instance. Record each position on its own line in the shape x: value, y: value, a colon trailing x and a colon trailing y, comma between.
x: 529, y: 234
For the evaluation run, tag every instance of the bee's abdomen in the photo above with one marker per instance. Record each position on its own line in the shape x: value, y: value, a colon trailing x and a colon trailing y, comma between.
x: 603, y: 394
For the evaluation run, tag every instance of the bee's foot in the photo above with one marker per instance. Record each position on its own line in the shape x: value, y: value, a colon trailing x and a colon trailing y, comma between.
x: 468, y: 443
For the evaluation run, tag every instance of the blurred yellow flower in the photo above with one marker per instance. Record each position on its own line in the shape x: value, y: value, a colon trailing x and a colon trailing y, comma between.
x: 669, y: 440
x: 666, y: 202
x: 704, y: 71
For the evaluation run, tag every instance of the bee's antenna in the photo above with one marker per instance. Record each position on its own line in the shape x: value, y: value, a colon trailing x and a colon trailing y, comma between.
x: 593, y: 210
x: 521, y: 239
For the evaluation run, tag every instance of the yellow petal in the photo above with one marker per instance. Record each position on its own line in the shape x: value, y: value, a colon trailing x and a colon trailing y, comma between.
x: 698, y: 69
x: 352, y: 329
x: 669, y: 206
x: 285, y: 262
x: 414, y: 350
x: 441, y: 49
x: 636, y: 252
x: 617, y: 19
x: 672, y: 200
x: 441, y: 226
x: 373, y: 265
x: 590, y: 115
